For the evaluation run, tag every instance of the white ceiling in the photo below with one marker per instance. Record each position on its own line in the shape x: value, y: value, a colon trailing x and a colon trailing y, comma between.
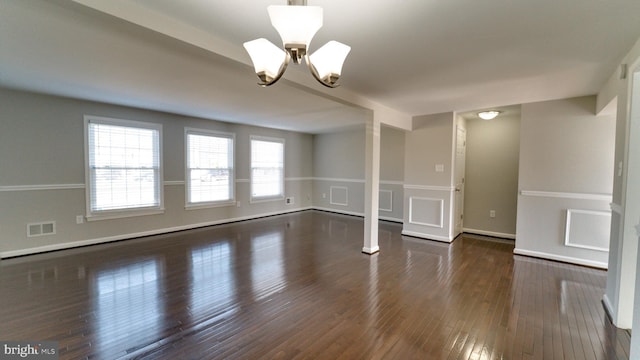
x: 416, y: 56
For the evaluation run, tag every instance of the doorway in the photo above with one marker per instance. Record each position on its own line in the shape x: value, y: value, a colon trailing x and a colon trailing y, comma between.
x: 461, y: 146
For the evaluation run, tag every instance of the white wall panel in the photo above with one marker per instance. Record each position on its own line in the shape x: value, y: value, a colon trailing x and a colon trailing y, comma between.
x: 339, y: 195
x: 566, y: 162
x: 426, y: 211
x: 588, y: 229
x: 542, y: 228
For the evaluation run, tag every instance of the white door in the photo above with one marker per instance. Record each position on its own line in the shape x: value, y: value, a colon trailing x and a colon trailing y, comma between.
x: 461, y: 146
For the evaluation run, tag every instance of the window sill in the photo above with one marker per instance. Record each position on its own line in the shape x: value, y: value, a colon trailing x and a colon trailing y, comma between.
x: 122, y: 215
x: 200, y: 206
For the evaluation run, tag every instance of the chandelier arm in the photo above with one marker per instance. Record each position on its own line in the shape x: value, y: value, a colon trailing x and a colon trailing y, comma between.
x: 281, y: 71
x: 315, y: 74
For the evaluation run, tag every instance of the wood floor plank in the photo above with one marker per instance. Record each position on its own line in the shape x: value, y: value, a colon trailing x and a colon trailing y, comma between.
x: 297, y: 286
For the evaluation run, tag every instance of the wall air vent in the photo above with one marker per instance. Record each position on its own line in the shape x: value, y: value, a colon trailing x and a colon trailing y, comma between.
x: 41, y: 229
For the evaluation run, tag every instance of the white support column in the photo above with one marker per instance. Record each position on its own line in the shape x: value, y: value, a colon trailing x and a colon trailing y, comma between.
x: 623, y: 258
x: 371, y: 186
x: 635, y: 336
x: 632, y: 207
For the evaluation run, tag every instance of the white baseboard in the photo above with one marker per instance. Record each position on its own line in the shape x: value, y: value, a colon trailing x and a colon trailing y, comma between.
x: 371, y: 251
x: 339, y: 211
x: 389, y: 218
x: 612, y: 315
x: 562, y: 258
x: 427, y: 236
x: 74, y: 244
x: 354, y: 213
x: 608, y: 308
x: 96, y: 241
x: 490, y: 233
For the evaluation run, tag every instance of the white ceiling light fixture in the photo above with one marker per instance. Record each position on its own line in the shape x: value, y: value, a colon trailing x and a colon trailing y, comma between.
x: 296, y: 23
x: 488, y: 115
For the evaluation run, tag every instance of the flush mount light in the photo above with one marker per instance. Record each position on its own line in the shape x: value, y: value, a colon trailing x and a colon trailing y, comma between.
x: 488, y: 115
x: 296, y: 23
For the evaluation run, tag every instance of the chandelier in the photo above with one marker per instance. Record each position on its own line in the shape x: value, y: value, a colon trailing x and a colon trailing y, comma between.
x: 296, y: 23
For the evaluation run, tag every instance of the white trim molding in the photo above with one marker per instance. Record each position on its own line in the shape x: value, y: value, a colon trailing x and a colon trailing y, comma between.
x: 429, y: 187
x: 616, y: 208
x: 41, y: 187
x: 389, y: 218
x: 567, y: 195
x: 74, y: 244
x: 567, y: 233
x: 426, y: 236
x: 489, y: 233
x: 607, y: 306
x: 174, y: 183
x: 10, y: 188
x: 355, y: 213
x: 385, y: 182
x: 339, y: 180
x: 339, y: 211
x: 346, y: 195
x: 566, y: 259
x: 392, y: 182
x: 371, y: 251
x: 441, y: 212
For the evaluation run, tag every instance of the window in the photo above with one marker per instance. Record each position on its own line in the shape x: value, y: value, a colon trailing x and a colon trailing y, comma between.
x: 210, y: 176
x: 123, y: 167
x: 267, y: 168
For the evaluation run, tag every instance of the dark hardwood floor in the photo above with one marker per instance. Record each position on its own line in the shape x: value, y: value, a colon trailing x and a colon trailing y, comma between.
x: 298, y: 286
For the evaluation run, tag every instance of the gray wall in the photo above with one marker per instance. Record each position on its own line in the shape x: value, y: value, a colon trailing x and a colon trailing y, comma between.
x: 430, y: 143
x: 41, y: 145
x: 429, y: 194
x: 392, y: 142
x: 493, y: 149
x: 338, y: 170
x: 566, y: 162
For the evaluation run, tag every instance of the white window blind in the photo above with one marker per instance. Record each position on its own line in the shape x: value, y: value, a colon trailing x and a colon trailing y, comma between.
x: 123, y: 165
x: 210, y: 176
x: 267, y: 168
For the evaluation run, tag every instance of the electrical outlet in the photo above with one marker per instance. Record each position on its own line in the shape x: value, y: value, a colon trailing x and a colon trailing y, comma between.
x: 439, y: 167
x: 79, y: 219
x: 324, y: 196
x: 289, y: 201
x: 492, y: 213
x: 238, y: 204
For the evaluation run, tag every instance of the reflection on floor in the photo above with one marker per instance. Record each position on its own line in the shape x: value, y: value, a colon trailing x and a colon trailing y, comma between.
x: 298, y: 285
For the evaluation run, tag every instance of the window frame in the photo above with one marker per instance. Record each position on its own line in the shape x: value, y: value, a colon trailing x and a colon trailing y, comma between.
x: 91, y: 214
x: 232, y: 173
x: 259, y: 199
